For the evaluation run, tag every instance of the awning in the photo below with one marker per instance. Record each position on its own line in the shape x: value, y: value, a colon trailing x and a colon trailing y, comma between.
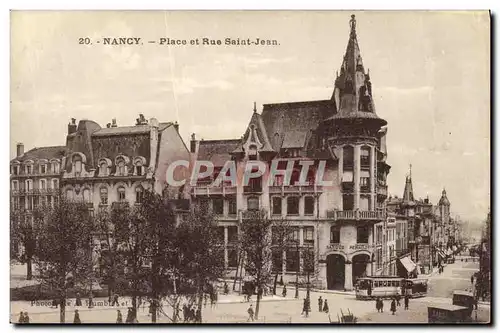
x: 408, y: 264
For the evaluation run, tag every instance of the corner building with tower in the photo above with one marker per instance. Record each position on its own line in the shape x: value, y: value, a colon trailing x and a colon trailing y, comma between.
x: 335, y: 222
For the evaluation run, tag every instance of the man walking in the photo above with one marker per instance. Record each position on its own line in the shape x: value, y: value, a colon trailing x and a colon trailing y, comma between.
x: 320, y: 304
x: 407, y: 301
x: 393, y: 306
x: 284, y: 291
x: 250, y: 313
x: 398, y: 299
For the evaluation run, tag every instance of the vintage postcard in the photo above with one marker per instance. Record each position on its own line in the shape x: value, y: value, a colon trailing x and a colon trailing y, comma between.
x: 195, y: 167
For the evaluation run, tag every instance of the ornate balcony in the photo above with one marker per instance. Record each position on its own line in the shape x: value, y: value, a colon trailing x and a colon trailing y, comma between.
x: 355, y: 215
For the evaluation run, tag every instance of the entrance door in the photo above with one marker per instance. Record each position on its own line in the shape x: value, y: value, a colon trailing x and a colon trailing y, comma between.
x: 359, y: 263
x: 335, y: 272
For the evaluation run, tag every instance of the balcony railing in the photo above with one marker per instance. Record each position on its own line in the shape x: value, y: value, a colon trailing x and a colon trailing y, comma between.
x: 282, y: 189
x: 382, y: 190
x: 355, y: 215
x: 205, y: 188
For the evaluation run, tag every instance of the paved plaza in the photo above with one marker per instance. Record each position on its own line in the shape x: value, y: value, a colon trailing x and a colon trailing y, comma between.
x: 276, y: 309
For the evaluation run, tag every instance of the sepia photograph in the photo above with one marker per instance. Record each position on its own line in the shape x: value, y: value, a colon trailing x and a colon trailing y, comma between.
x: 250, y: 167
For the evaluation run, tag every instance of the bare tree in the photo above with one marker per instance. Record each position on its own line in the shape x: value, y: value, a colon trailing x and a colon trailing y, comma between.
x: 62, y: 247
x: 256, y: 242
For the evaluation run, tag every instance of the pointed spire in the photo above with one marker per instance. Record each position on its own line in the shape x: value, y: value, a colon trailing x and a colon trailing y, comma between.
x: 408, y: 192
x: 444, y: 199
x: 254, y: 107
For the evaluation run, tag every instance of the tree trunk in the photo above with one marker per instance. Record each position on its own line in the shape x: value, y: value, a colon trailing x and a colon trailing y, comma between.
x: 257, y: 304
x: 29, y: 268
x: 236, y: 273
x: 297, y: 284
x: 275, y: 283
x: 62, y: 310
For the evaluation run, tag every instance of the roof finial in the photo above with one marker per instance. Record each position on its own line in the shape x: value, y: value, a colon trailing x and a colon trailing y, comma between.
x: 254, y: 106
x: 410, y: 170
x: 352, y: 23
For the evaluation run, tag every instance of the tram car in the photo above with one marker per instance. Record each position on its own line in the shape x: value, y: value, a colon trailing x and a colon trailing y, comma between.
x: 378, y: 286
x: 415, y: 287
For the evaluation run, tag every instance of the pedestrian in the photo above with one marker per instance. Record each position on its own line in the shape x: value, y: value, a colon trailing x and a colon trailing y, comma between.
x: 78, y: 301
x: 226, y: 288
x: 284, y: 291
x: 381, y: 305
x: 119, y: 319
x: 320, y: 304
x: 250, y: 313
x: 304, y: 306
x: 377, y: 304
x: 198, y: 315
x: 369, y: 290
x: 27, y: 317
x: 130, y: 317
x: 21, y: 318
x: 115, y: 300
x: 407, y: 301
x: 76, y: 319
x: 472, y: 279
x: 398, y: 299
x: 325, y: 306
x: 393, y: 306
x: 54, y: 303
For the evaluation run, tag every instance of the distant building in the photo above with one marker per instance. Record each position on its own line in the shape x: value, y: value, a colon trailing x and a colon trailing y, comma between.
x: 35, y: 178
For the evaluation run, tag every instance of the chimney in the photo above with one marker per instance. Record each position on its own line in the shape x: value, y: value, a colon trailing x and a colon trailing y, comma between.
x: 72, y: 126
x: 20, y: 149
x: 194, y: 143
x: 176, y: 126
x: 108, y: 125
x: 113, y: 122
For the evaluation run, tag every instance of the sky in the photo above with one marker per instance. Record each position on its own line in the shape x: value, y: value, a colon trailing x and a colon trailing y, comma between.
x: 430, y: 74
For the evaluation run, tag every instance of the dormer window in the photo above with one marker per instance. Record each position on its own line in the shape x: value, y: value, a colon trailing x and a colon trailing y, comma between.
x: 43, y: 168
x: 29, y: 169
x: 138, y: 168
x: 15, y: 170
x: 77, y: 165
x: 252, y: 153
x: 55, y: 167
x: 120, y: 167
x: 103, y: 169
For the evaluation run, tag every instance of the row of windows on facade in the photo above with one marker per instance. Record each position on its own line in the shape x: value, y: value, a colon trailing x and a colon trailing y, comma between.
x: 253, y: 203
x: 29, y: 168
x: 105, y: 166
x: 104, y: 195
x: 31, y: 202
x: 292, y: 255
x: 28, y: 184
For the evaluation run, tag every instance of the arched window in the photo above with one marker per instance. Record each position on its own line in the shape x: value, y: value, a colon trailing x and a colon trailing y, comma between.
x: 139, y: 193
x: 138, y: 168
x: 334, y: 234
x: 43, y: 168
x: 365, y: 157
x: 103, y: 169
x: 55, y: 184
x: 252, y: 152
x: 121, y: 193
x: 120, y: 167
x: 55, y: 167
x: 348, y: 158
x: 29, y: 185
x: 86, y: 195
x: 43, y: 184
x: 104, y: 195
x: 77, y: 164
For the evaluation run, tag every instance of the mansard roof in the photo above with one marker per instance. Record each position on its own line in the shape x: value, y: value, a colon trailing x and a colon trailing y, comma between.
x: 128, y: 130
x: 48, y: 153
x: 217, y: 151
